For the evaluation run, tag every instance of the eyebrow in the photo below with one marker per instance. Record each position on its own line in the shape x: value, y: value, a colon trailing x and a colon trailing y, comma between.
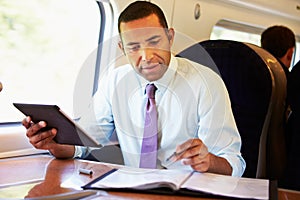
x: 147, y: 40
x: 153, y: 38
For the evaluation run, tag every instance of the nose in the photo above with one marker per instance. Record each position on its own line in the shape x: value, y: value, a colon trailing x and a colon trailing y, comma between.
x: 147, y: 54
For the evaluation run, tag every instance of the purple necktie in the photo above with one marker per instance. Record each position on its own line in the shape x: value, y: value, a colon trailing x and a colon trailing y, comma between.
x: 149, y: 145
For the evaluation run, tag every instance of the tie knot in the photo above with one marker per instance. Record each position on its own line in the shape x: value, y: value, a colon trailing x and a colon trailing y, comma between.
x: 150, y: 91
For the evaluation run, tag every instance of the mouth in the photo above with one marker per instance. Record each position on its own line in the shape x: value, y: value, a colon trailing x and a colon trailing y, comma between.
x: 149, y: 66
x: 151, y: 71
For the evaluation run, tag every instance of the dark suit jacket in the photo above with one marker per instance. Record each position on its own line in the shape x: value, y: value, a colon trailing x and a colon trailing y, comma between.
x: 291, y: 179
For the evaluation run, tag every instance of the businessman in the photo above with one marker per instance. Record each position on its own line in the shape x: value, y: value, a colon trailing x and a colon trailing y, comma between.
x: 188, y: 111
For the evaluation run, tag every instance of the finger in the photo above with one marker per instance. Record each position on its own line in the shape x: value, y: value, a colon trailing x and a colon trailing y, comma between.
x: 194, y: 155
x: 195, y: 160
x: 189, y: 153
x: 35, y: 128
x: 203, y: 151
x: 189, y: 149
x: 41, y: 140
x: 201, y: 167
x: 198, y: 163
x: 45, y: 143
x: 26, y: 122
x: 188, y: 145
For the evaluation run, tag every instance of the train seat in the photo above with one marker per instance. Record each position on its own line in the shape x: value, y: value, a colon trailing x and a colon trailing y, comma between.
x: 257, y: 88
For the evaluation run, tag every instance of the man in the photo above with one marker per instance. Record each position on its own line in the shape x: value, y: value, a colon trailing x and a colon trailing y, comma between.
x: 280, y: 42
x: 194, y: 114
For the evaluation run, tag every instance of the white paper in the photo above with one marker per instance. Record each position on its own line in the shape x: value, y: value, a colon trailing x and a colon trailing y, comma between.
x: 143, y: 179
x: 228, y: 185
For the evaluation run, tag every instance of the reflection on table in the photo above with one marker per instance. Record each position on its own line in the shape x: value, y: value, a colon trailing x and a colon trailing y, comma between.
x: 42, y: 175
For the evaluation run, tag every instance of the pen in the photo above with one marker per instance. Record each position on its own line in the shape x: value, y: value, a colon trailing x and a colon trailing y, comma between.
x: 85, y: 171
x: 174, y: 154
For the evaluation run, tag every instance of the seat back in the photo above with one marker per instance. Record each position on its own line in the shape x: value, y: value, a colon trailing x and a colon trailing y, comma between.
x: 252, y: 87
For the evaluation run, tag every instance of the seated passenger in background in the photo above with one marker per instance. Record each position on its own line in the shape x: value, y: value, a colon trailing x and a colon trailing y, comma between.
x: 280, y: 41
x: 194, y: 111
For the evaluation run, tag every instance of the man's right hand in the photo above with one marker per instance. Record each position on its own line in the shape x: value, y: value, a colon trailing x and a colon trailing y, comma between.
x: 44, y: 139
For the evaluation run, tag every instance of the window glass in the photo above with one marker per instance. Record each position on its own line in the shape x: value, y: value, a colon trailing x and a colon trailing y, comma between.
x: 43, y: 46
x: 229, y: 30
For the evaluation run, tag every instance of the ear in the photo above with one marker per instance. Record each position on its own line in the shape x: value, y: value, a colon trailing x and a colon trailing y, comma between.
x: 171, y: 34
x: 290, y: 53
x: 120, y: 44
x: 287, y: 58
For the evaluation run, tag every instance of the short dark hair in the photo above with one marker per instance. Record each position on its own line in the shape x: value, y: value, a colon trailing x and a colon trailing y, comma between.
x: 277, y: 40
x: 141, y: 9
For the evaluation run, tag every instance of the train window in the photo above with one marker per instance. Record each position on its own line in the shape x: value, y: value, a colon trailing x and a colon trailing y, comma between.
x: 229, y: 30
x: 43, y: 46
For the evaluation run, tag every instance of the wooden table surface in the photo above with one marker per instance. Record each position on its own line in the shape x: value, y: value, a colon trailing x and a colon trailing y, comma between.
x: 38, y: 176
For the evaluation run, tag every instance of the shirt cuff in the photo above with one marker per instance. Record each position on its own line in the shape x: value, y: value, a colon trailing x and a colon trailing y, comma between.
x: 79, y: 152
x: 238, y: 165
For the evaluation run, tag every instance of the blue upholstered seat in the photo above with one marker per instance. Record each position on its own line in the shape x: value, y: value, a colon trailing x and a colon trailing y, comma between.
x: 257, y: 89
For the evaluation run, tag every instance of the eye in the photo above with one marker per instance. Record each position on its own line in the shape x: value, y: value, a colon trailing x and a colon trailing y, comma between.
x: 154, y: 42
x: 134, y: 48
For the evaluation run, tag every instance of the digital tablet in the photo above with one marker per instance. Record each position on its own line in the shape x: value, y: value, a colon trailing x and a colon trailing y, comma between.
x: 68, y: 131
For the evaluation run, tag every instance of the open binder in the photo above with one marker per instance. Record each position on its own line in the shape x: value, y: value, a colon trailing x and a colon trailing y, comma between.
x: 184, y: 182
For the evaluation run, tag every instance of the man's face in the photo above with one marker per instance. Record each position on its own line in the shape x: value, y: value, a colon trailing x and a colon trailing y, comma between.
x: 147, y: 45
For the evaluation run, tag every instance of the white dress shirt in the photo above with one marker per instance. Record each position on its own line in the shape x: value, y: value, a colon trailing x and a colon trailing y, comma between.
x: 192, y: 102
